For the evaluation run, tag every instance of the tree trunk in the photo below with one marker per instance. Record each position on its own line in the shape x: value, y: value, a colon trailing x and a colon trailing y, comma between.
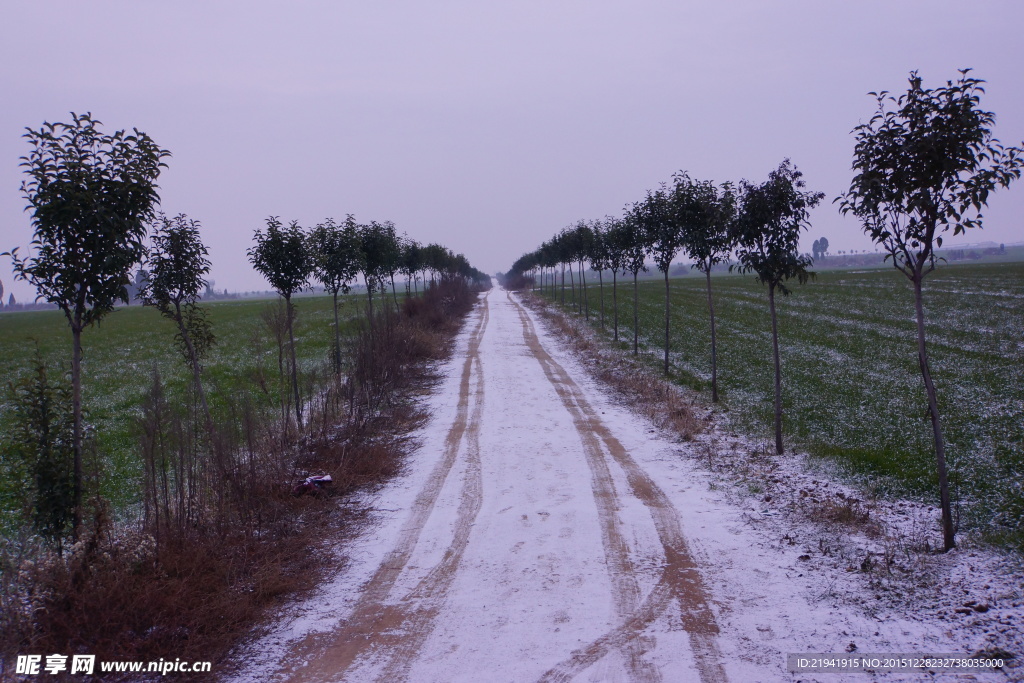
x: 666, y: 322
x: 714, y: 350
x: 636, y: 316
x: 283, y: 391
x: 615, y: 303
x: 394, y: 294
x: 337, y: 336
x: 572, y: 285
x: 600, y: 280
x: 948, y: 534
x: 295, y: 367
x: 76, y: 409
x: 563, y: 284
x: 778, y: 371
x: 194, y: 362
x: 193, y: 475
x: 369, y: 295
x: 583, y: 288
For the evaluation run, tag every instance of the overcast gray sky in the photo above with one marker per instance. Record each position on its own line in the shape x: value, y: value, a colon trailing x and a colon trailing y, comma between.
x: 486, y: 126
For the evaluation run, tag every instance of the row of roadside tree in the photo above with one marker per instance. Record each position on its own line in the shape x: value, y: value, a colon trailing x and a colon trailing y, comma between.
x: 335, y: 254
x: 924, y: 164
x: 759, y: 223
x: 93, y: 201
x: 222, y: 527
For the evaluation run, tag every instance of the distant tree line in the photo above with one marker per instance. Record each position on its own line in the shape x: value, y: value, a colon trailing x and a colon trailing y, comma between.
x: 759, y: 223
x: 335, y: 254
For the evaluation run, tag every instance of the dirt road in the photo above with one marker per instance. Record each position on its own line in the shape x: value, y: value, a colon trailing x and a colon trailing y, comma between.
x: 524, y: 539
x: 545, y: 533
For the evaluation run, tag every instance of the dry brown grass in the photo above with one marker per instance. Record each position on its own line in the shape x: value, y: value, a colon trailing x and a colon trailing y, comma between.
x: 843, y: 511
x: 363, y: 454
x: 116, y: 597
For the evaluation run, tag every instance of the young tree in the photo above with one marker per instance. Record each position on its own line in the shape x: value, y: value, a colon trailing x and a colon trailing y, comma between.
x: 337, y: 259
x: 600, y: 256
x: 549, y: 262
x: 553, y: 255
x: 282, y: 256
x: 569, y: 248
x: 582, y: 241
x: 434, y: 258
x: 460, y: 267
x: 663, y: 233
x: 529, y: 264
x: 634, y: 249
x: 91, y: 195
x: 412, y: 263
x: 39, y: 455
x: 615, y: 242
x: 178, y: 266
x: 925, y: 163
x: 563, y: 254
x: 381, y: 254
x: 767, y: 233
x: 392, y: 256
x: 707, y: 215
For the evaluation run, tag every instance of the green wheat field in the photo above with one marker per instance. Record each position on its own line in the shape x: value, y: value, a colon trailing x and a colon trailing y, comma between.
x: 121, y: 355
x: 852, y: 387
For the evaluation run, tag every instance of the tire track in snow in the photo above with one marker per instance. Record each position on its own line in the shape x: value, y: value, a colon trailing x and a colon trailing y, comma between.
x: 421, y: 605
x: 396, y: 631
x: 680, y: 579
x: 625, y: 588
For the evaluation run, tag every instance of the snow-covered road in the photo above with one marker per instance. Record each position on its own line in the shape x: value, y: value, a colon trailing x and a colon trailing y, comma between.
x: 543, y: 532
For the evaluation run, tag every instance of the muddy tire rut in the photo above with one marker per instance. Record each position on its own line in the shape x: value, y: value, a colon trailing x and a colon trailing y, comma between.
x: 680, y: 580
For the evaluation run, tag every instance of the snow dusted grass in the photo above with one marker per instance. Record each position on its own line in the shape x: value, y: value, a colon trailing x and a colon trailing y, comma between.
x: 851, y: 385
x: 121, y: 354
